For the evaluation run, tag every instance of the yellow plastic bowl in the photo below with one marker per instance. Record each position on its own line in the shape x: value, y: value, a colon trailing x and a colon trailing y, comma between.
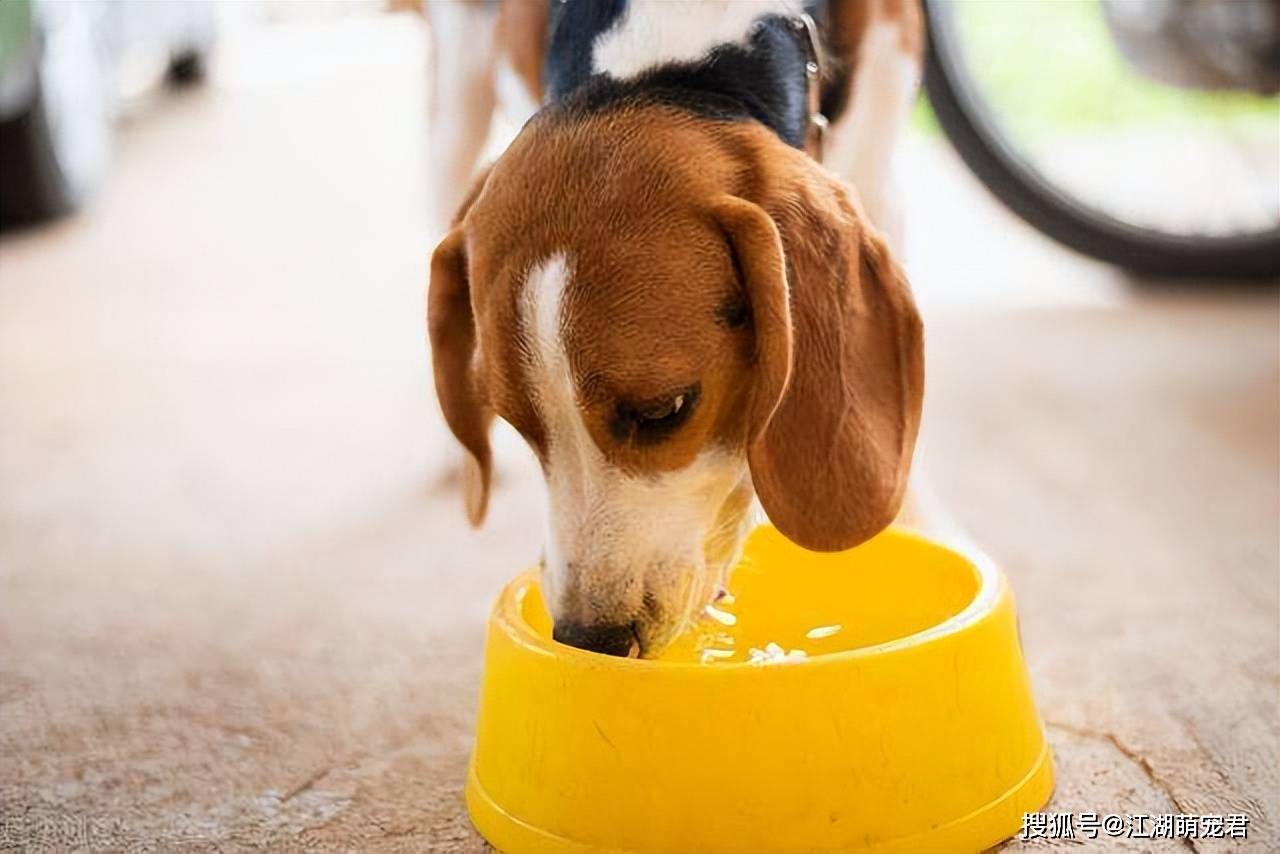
x: 908, y: 724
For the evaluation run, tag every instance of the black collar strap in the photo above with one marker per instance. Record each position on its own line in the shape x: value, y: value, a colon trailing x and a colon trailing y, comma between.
x: 816, y: 132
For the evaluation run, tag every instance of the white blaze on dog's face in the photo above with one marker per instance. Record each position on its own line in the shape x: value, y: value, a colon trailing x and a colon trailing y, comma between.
x: 674, y: 313
x: 628, y: 531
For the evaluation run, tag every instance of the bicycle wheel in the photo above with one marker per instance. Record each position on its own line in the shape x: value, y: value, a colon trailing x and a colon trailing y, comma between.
x: 1016, y: 128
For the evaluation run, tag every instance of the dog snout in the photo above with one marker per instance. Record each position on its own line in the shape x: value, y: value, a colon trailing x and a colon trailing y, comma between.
x: 605, y: 638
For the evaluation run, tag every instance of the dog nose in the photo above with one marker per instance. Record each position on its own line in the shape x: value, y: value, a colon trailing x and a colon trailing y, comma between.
x: 604, y: 638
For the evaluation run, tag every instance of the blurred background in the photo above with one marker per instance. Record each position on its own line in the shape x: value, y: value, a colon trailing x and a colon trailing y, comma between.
x: 239, y: 604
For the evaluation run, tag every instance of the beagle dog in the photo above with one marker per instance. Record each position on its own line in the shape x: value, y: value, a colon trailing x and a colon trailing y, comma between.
x: 661, y: 289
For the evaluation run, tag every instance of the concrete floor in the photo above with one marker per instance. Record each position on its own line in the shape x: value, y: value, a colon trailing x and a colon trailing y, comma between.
x: 238, y: 602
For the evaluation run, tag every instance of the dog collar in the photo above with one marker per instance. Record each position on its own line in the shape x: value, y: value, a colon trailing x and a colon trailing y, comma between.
x: 816, y: 131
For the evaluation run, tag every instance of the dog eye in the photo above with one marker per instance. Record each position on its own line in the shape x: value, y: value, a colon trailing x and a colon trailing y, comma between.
x: 662, y: 411
x: 654, y: 420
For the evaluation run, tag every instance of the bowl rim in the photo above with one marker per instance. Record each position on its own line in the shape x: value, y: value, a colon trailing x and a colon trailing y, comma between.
x: 992, y: 586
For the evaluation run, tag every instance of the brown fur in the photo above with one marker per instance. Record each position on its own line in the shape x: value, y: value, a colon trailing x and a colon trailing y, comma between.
x: 522, y: 36
x: 845, y: 27
x: 850, y: 20
x: 667, y: 219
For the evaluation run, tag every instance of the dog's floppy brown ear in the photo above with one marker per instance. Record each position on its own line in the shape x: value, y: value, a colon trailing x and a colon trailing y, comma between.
x: 452, y: 328
x: 839, y: 374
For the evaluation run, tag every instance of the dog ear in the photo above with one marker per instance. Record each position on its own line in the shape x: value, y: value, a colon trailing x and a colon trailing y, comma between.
x: 839, y: 380
x: 452, y: 328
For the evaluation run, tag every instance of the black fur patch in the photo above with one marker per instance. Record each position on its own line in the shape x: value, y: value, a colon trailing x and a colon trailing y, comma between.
x: 574, y: 25
x: 763, y: 79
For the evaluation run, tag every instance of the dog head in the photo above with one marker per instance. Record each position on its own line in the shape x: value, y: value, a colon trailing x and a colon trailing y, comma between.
x: 675, y: 313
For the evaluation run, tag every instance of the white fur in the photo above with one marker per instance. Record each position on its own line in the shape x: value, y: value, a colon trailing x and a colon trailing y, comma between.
x: 461, y: 101
x: 860, y: 147
x: 660, y: 31
x: 619, y: 547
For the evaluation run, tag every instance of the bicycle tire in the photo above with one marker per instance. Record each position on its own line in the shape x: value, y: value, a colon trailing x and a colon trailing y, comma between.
x: 1027, y: 194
